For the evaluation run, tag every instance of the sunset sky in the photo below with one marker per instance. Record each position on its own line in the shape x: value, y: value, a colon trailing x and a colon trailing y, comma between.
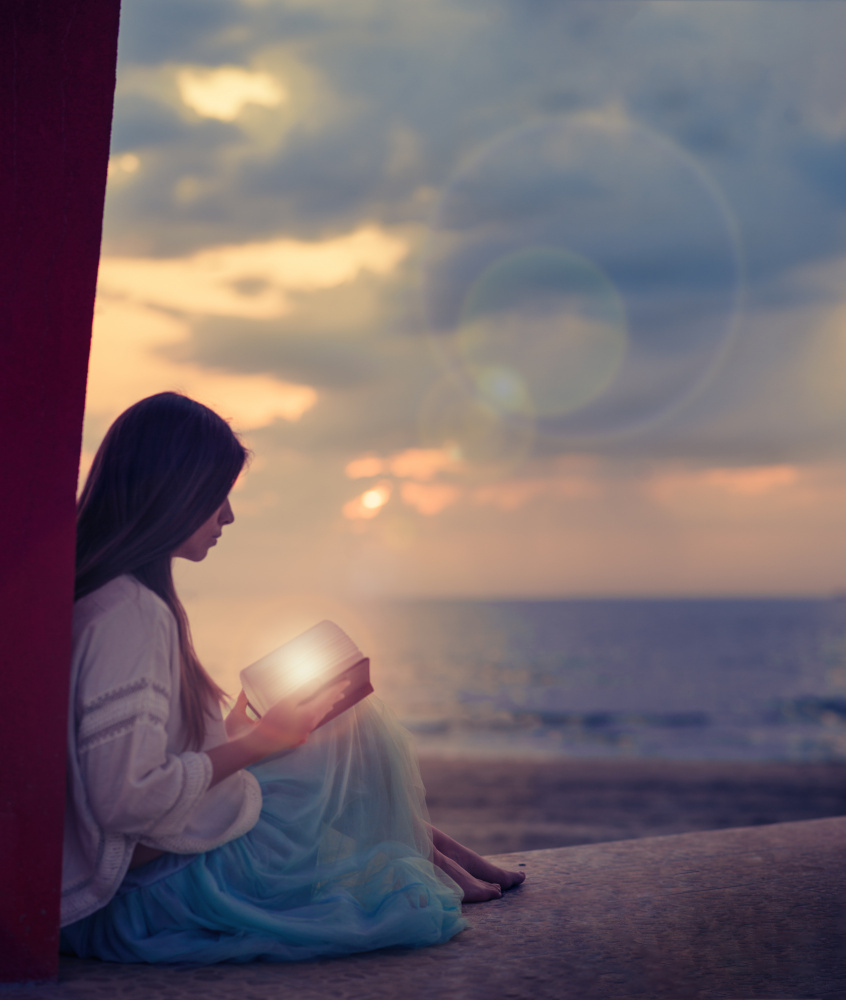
x: 509, y: 297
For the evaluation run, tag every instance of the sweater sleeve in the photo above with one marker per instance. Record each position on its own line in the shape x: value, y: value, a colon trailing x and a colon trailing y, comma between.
x: 125, y: 697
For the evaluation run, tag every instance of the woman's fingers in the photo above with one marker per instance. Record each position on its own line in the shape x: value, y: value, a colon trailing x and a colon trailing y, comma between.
x: 288, y: 723
x: 237, y: 721
x: 239, y: 709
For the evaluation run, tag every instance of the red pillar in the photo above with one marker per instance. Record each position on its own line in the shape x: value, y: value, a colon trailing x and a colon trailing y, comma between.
x: 57, y: 76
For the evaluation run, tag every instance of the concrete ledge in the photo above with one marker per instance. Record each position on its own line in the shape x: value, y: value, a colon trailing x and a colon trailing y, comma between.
x: 757, y: 912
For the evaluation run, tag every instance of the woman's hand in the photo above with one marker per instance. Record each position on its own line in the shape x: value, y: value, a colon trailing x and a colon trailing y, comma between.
x: 288, y: 723
x: 282, y: 727
x: 237, y: 722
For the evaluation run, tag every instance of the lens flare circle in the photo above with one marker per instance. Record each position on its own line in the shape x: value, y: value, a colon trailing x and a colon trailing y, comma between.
x: 543, y: 331
x: 587, y: 270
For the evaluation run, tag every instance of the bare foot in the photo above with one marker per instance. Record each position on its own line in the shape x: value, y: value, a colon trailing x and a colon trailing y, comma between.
x: 474, y: 890
x: 474, y: 863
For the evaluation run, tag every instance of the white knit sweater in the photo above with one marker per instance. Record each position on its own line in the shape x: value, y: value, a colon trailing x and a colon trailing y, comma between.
x: 130, y: 779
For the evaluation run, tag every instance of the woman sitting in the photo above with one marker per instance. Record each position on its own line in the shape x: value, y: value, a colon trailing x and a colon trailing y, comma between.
x: 193, y: 838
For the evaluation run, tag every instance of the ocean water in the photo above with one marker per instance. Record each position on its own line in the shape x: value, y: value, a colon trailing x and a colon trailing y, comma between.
x: 682, y: 679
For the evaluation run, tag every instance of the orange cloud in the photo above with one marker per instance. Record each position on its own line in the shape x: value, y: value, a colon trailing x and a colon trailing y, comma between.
x: 572, y: 478
x: 365, y: 467
x: 250, y: 280
x: 508, y: 496
x: 752, y: 480
x: 745, y: 481
x: 429, y: 498
x: 128, y: 362
x: 421, y: 464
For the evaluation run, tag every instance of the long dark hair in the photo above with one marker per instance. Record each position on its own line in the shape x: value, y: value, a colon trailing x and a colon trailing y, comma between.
x: 164, y: 467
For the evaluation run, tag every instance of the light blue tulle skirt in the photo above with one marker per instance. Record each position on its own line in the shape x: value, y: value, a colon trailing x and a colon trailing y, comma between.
x: 338, y: 862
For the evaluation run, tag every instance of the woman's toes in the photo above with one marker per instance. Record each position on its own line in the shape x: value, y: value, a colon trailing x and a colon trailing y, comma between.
x: 503, y: 878
x: 477, y: 891
x: 512, y: 879
x: 474, y: 890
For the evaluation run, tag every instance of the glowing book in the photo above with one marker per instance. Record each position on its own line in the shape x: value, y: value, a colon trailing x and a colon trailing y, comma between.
x: 304, y: 667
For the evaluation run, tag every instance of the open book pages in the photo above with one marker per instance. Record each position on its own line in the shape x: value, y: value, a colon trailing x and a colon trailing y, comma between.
x: 304, y: 664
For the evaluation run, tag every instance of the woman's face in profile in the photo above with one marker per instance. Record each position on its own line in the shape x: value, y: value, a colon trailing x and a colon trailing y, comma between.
x: 196, y: 547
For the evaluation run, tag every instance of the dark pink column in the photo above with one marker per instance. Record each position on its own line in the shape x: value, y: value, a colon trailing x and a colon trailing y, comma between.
x: 57, y: 76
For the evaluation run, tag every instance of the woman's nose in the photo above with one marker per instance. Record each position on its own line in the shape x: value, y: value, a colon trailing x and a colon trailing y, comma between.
x: 226, y: 516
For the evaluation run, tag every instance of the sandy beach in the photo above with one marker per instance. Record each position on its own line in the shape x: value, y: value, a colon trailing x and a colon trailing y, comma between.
x: 502, y: 806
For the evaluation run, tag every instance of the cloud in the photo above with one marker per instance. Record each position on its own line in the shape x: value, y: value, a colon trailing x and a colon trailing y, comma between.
x: 365, y: 466
x: 144, y: 123
x: 122, y: 165
x: 287, y: 346
x: 595, y: 528
x: 430, y: 480
x: 624, y: 231
x: 455, y: 75
x: 686, y: 154
x: 325, y: 176
x: 730, y: 488
x: 415, y: 467
x: 224, y: 91
x: 153, y: 31
x: 126, y: 365
x: 249, y: 280
x: 754, y: 481
x: 429, y: 499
